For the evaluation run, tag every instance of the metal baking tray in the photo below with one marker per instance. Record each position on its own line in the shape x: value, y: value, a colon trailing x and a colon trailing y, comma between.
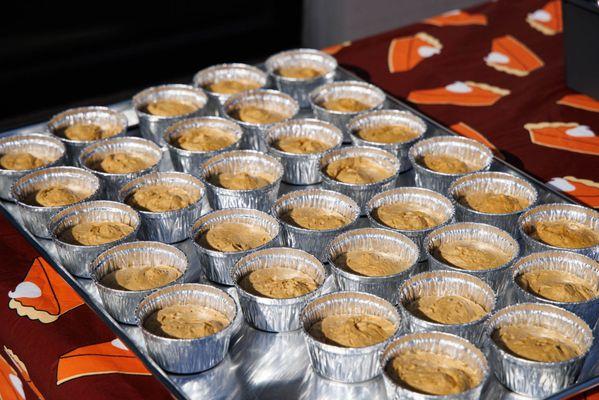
x: 263, y: 365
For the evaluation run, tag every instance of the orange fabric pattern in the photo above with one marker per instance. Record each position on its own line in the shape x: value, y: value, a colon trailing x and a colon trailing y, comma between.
x: 11, y: 386
x: 511, y: 56
x: 469, y: 132
x: 467, y: 93
x: 457, y: 18
x: 585, y: 190
x: 581, y: 101
x: 23, y: 371
x: 547, y: 20
x: 564, y: 135
x: 407, y: 52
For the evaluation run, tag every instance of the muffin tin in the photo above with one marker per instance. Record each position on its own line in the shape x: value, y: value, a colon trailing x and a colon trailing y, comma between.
x: 276, y: 365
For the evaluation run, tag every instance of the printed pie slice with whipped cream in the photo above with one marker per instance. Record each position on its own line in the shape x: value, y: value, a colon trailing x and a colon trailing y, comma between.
x: 547, y: 20
x: 23, y: 371
x: 511, y: 56
x: 465, y: 130
x: 407, y: 52
x: 568, y: 136
x: 457, y: 18
x: 467, y: 93
x: 11, y: 386
x: 584, y: 190
x: 581, y: 101
x: 336, y: 48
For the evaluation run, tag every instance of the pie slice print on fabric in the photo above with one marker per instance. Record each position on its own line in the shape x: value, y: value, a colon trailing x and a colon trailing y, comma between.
x: 581, y: 101
x: 547, y: 20
x: 568, y: 136
x: 43, y: 295
x: 11, y: 386
x: 457, y: 18
x: 98, y: 359
x: 511, y: 56
x: 407, y: 52
x: 584, y: 190
x: 465, y: 130
x: 467, y: 93
x: 336, y: 48
x: 23, y: 371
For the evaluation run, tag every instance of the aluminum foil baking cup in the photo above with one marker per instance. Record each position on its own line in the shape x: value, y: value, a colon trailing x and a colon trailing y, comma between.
x: 299, y: 88
x: 167, y: 226
x: 186, y: 356
x: 575, y: 264
x: 190, y: 161
x: 272, y: 100
x: 121, y: 303
x: 277, y: 315
x: 462, y: 148
x: 311, y: 240
x: 38, y: 144
x: 377, y: 118
x: 381, y: 241
x: 358, y: 90
x: 111, y: 183
x: 555, y: 212
x: 225, y: 72
x: 492, y: 182
x: 302, y: 169
x: 152, y: 126
x: 440, y: 343
x: 497, y: 277
x: 103, y: 116
x: 343, y: 364
x: 76, y: 258
x: 533, y: 378
x: 361, y: 193
x: 434, y: 202
x: 238, y: 161
x: 218, y: 264
x: 36, y: 218
x: 447, y: 283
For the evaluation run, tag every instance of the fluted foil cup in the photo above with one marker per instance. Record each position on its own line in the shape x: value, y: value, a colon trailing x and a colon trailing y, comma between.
x: 492, y: 182
x: 299, y: 88
x: 111, y: 183
x: 302, y: 169
x: 576, y: 264
x: 343, y: 364
x: 187, y: 356
x: 439, y: 343
x: 218, y: 264
x: 237, y: 161
x: 102, y: 116
x: 381, y: 241
x: 167, y: 226
x: 554, y: 212
x: 497, y: 277
x: 361, y: 91
x: 360, y: 193
x: 190, y: 161
x: 462, y: 148
x: 36, y: 218
x: 434, y: 202
x: 254, y: 133
x: 447, y: 283
x: 39, y: 144
x: 377, y: 118
x: 77, y: 258
x: 532, y: 378
x: 314, y: 241
x: 121, y: 303
x: 277, y: 315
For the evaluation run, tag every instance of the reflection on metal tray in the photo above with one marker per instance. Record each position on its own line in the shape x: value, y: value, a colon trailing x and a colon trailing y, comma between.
x: 263, y: 365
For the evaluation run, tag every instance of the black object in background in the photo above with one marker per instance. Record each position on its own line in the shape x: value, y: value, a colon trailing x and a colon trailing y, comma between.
x: 55, y: 54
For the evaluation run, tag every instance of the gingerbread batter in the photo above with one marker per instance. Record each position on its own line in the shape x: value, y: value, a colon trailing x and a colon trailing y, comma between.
x: 406, y: 216
x: 96, y: 233
x: 258, y: 115
x: 89, y: 131
x: 557, y: 286
x: 445, y: 164
x: 536, y: 343
x: 345, y: 104
x: 447, y: 309
x: 230, y: 86
x: 278, y: 283
x: 21, y: 161
x: 493, y: 203
x: 431, y: 373
x: 301, y: 145
x: 241, y: 180
x: 358, y: 170
x: 204, y: 138
x: 315, y: 218
x: 471, y: 255
x: 122, y: 163
x: 56, y: 196
x: 371, y: 263
x: 234, y: 236
x: 186, y: 321
x: 349, y: 330
x: 161, y: 198
x: 299, y: 72
x: 170, y: 108
x: 388, y: 134
x: 565, y: 234
x: 141, y: 277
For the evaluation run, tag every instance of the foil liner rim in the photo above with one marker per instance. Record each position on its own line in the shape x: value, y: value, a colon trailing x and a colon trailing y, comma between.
x: 34, y: 135
x: 382, y: 113
x: 355, y: 83
x: 299, y: 121
x: 138, y: 102
x: 300, y: 52
x: 216, y: 67
x: 197, y: 120
x: 51, y: 125
x: 241, y: 96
